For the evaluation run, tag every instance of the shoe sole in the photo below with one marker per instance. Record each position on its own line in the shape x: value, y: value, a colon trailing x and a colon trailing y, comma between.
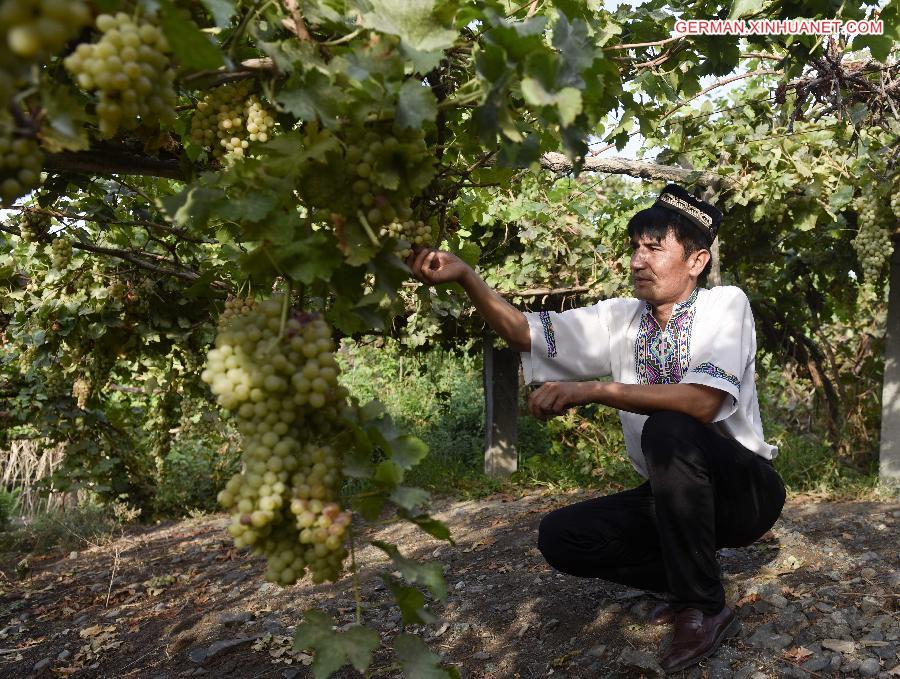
x: 731, y: 630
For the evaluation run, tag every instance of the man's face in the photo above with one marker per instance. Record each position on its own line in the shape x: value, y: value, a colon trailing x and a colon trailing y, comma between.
x: 658, y: 269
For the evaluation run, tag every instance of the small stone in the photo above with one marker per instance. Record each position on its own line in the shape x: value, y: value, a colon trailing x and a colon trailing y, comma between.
x: 235, y: 618
x: 41, y: 665
x: 64, y: 655
x: 817, y: 663
x: 870, y: 605
x: 777, y: 601
x: 868, y: 572
x: 290, y: 673
x: 850, y: 665
x: 481, y: 655
x: 73, y: 555
x: 720, y: 669
x: 867, y: 557
x: 640, y: 659
x: 766, y: 638
x: 597, y: 651
x: 846, y: 646
x: 869, y: 667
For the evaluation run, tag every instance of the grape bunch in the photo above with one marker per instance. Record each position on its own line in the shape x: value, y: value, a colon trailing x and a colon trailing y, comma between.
x: 401, y: 155
x: 228, y: 118
x: 872, y: 242
x: 34, y: 226
x: 234, y: 306
x: 895, y: 200
x: 408, y: 234
x: 385, y: 170
x: 130, y: 69
x: 36, y: 27
x: 20, y: 166
x: 282, y: 385
x: 81, y: 391
x: 61, y: 253
x: 117, y: 290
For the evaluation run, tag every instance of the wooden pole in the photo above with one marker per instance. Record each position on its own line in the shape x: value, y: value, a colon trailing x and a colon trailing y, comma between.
x: 889, y: 462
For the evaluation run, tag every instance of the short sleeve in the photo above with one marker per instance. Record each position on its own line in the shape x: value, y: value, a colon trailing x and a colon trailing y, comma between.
x: 723, y: 347
x: 568, y: 346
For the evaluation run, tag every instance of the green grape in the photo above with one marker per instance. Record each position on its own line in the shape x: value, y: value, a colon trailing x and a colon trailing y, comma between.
x: 228, y: 118
x: 38, y: 27
x: 408, y: 234
x: 281, y: 384
x: 873, y: 241
x: 81, y: 391
x: 20, y: 166
x: 372, y: 160
x: 62, y: 253
x: 34, y: 226
x: 130, y: 70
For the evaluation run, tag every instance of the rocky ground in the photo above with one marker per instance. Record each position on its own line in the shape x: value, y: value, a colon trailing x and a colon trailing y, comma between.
x: 818, y: 597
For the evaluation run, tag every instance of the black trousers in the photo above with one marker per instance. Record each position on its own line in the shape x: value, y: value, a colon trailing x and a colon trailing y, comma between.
x: 705, y: 491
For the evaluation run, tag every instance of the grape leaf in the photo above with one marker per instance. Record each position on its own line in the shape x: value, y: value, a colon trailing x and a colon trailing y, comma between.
x: 415, y: 105
x: 429, y: 574
x: 192, y: 47
x: 408, y: 451
x: 221, y: 10
x: 418, y: 661
x: 410, y: 601
x: 333, y: 649
x: 742, y: 8
x: 409, y: 498
x: 415, y: 21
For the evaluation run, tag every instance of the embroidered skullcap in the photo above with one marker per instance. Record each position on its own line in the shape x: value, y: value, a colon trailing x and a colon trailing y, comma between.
x: 705, y: 216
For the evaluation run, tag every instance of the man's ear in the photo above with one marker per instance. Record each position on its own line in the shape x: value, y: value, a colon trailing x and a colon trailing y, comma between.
x: 699, y: 262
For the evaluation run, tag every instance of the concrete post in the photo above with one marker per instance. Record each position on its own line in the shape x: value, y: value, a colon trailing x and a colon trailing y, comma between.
x: 501, y: 412
x: 889, y: 467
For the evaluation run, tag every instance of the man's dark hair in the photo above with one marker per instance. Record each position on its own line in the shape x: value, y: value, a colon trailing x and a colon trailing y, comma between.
x: 656, y: 221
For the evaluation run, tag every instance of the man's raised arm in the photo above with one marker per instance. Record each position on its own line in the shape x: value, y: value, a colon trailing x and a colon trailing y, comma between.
x: 434, y: 267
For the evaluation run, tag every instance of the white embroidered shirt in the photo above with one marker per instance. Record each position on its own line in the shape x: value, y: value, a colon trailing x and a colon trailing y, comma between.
x: 710, y: 339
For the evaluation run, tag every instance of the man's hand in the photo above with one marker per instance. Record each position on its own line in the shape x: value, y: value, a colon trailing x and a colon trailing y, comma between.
x: 554, y: 398
x: 433, y: 267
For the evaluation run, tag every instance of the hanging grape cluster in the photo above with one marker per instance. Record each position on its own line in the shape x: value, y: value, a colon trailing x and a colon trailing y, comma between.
x: 61, y: 253
x: 282, y: 386
x: 408, y: 234
x: 872, y: 242
x: 20, y: 166
x: 130, y: 70
x: 384, y: 169
x: 895, y: 201
x: 81, y: 391
x: 34, y: 226
x: 228, y: 118
x: 36, y: 27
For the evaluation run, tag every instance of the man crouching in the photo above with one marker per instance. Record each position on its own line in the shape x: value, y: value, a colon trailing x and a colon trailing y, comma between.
x: 682, y: 363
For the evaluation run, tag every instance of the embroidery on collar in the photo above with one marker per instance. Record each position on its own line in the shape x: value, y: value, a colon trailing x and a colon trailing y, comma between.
x: 663, y: 355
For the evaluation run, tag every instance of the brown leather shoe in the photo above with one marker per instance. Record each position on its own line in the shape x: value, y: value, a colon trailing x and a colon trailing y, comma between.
x: 697, y: 636
x: 663, y: 614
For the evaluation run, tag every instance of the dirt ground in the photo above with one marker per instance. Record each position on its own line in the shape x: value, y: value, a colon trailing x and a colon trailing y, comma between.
x: 818, y: 597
